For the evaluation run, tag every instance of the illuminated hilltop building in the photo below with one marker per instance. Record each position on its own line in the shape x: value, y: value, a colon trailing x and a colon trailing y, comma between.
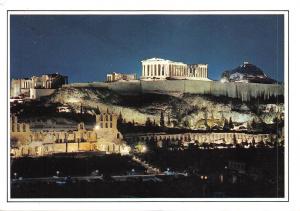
x: 37, y: 86
x: 112, y: 77
x: 160, y: 69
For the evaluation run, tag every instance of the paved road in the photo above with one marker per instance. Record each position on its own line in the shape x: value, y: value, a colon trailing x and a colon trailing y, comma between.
x: 144, y: 177
x: 86, y: 178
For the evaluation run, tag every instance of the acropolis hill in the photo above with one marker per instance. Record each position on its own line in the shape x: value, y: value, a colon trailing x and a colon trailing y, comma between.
x: 170, y: 77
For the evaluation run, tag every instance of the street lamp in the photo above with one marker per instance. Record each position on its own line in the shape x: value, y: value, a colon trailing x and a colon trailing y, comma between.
x: 57, y: 173
x: 15, y: 174
x: 144, y: 149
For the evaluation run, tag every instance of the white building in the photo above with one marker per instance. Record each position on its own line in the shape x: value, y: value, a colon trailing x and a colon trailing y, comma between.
x: 37, y: 86
x: 158, y: 69
x: 112, y: 77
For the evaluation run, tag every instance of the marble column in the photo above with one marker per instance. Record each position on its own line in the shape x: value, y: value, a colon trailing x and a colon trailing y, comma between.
x: 159, y: 69
x: 152, y: 70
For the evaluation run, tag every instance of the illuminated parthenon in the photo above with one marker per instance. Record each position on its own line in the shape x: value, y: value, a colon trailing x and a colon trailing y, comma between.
x: 157, y: 68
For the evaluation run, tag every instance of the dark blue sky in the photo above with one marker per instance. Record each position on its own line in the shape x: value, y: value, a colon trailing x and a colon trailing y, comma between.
x: 87, y: 47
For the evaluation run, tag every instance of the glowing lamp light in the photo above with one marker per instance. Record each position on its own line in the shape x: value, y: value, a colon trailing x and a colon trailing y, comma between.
x: 97, y: 127
x: 144, y: 149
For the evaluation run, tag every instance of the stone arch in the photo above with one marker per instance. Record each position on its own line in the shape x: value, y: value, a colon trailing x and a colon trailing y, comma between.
x: 30, y: 151
x: 22, y: 151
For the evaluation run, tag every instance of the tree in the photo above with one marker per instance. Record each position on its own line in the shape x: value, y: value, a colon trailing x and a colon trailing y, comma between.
x: 81, y: 109
x: 14, y: 142
x: 205, y: 117
x: 148, y: 122
x: 253, y: 123
x: 230, y: 124
x: 166, y: 144
x: 234, y: 140
x: 186, y: 123
x: 248, y: 126
x: 253, y: 142
x: 180, y: 143
x: 120, y: 118
x: 226, y: 125
x: 169, y: 120
x: 151, y: 144
x: 162, y: 119
x: 192, y: 146
x: 98, y: 110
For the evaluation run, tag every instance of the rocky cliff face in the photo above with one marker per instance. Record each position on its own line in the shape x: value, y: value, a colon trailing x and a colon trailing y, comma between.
x: 183, y: 110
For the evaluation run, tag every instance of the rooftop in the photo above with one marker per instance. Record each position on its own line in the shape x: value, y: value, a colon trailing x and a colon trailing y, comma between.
x: 159, y: 59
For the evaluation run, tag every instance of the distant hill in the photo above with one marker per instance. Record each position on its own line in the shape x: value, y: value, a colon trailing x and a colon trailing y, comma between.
x: 247, y: 73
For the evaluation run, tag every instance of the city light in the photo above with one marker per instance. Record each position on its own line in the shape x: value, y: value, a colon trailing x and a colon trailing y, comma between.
x: 144, y: 149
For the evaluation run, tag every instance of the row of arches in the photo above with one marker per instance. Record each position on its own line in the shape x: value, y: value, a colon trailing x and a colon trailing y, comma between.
x: 227, y: 137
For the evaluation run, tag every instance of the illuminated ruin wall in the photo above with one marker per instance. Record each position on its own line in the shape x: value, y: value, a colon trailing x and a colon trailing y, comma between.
x: 243, y: 91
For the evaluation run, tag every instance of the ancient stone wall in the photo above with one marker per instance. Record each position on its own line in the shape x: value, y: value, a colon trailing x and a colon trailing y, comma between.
x: 243, y: 91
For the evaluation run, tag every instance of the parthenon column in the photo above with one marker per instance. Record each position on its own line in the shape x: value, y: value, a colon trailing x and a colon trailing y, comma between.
x: 151, y: 70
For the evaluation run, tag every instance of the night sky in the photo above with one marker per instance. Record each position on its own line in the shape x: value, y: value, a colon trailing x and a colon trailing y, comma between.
x: 86, y: 48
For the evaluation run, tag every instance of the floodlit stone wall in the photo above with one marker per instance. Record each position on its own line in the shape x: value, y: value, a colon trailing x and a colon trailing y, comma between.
x: 107, y: 138
x: 38, y: 93
x: 243, y: 91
